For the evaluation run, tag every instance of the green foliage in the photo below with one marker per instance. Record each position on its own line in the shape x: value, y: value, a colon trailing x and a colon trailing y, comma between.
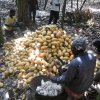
x: 98, y: 98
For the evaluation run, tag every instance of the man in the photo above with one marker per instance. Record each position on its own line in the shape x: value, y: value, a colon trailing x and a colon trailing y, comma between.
x: 96, y: 44
x: 10, y: 23
x: 94, y: 91
x: 33, y: 6
x: 79, y: 76
x: 54, y: 11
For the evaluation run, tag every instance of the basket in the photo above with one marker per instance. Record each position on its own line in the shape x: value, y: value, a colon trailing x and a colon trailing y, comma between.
x: 37, y: 82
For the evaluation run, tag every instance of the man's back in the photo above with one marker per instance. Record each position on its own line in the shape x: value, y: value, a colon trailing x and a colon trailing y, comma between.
x: 9, y: 21
x: 55, y: 5
x: 84, y: 65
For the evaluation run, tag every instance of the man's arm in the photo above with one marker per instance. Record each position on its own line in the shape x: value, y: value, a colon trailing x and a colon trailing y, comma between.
x: 67, y: 76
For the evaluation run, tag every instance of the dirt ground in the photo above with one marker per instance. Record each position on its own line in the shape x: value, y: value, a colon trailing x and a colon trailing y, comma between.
x: 89, y: 33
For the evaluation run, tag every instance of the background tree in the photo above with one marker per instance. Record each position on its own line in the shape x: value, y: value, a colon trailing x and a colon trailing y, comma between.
x: 1, y: 35
x: 46, y: 1
x: 23, y: 11
x: 63, y: 13
x: 71, y: 3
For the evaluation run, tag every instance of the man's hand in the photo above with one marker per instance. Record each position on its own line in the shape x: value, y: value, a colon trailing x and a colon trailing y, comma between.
x: 57, y: 63
x: 53, y: 79
x: 62, y: 69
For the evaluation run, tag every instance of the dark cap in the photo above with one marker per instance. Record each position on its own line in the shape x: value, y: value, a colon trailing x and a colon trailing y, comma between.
x: 79, y: 44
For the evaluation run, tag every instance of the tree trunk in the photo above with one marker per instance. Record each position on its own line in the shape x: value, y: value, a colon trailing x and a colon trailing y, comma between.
x: 63, y: 13
x: 23, y: 11
x: 83, y: 4
x: 71, y: 3
x: 46, y: 1
x: 77, y: 4
x: 1, y: 35
x: 81, y: 1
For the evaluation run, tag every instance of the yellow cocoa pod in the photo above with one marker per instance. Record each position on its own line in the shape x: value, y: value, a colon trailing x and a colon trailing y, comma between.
x: 19, y: 67
x: 49, y: 41
x: 69, y: 50
x: 26, y: 43
x: 44, y: 63
x: 49, y: 33
x: 29, y: 80
x: 71, y: 57
x: 54, y: 69
x: 61, y: 57
x: 26, y: 67
x: 52, y: 63
x: 33, y: 68
x: 40, y: 36
x: 15, y: 68
x: 42, y: 55
x: 69, y: 46
x: 39, y: 67
x: 67, y: 39
x: 35, y: 71
x: 45, y: 71
x: 49, y: 55
x: 20, y: 75
x: 44, y: 47
x: 3, y: 69
x: 66, y: 58
x: 3, y: 76
x: 29, y: 75
x: 32, y: 62
x: 48, y: 37
x: 50, y: 60
x: 1, y: 84
x: 31, y: 45
x: 64, y: 51
x: 21, y: 64
x: 49, y: 45
x: 11, y: 70
x: 44, y: 39
x: 22, y: 70
x: 40, y: 40
x: 59, y: 53
x: 54, y: 43
x: 38, y: 32
x: 64, y: 36
x: 45, y: 44
x: 54, y: 39
x: 27, y: 64
x: 55, y: 54
x: 67, y: 54
x: 41, y: 73
x: 53, y: 47
x: 23, y: 97
x: 6, y: 73
x: 52, y: 35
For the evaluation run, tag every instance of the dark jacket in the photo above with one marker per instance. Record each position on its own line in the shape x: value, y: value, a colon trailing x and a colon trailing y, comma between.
x: 33, y: 4
x: 79, y: 76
